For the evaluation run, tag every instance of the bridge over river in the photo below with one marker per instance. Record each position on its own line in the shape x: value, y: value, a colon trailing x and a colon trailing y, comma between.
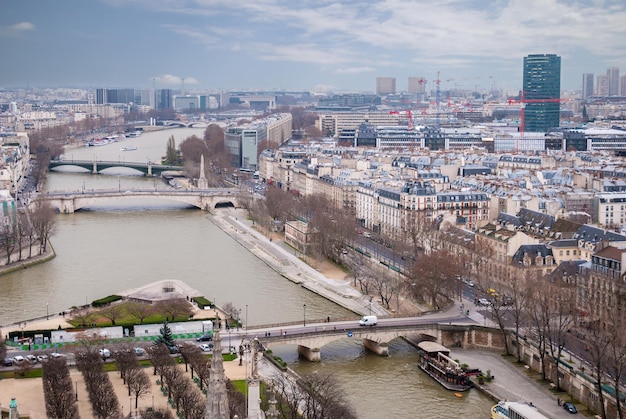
x: 445, y: 328
x: 97, y: 166
x: 67, y: 202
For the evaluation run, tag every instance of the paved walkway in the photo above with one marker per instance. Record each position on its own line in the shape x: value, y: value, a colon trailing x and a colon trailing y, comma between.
x: 282, y: 259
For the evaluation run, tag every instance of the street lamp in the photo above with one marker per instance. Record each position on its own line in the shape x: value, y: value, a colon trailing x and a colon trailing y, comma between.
x: 76, y: 390
x: 304, y: 308
x: 47, y: 316
x: 371, y: 298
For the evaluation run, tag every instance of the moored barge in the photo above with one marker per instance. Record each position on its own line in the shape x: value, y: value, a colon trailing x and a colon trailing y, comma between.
x: 435, y: 361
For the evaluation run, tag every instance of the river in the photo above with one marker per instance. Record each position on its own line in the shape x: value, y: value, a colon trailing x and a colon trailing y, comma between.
x: 103, y: 250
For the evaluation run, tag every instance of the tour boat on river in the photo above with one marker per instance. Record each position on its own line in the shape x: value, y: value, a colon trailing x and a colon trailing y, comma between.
x: 515, y: 410
x: 436, y: 362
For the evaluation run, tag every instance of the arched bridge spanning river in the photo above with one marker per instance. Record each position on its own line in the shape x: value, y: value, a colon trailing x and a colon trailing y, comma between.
x: 97, y: 166
x: 67, y: 202
x: 443, y: 328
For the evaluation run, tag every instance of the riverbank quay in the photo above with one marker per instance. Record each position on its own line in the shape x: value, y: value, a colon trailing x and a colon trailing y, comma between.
x: 17, y: 264
x: 511, y: 381
x: 282, y: 259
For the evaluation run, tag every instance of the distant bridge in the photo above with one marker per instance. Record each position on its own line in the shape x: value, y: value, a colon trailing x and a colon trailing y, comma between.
x: 67, y: 202
x: 149, y: 168
x: 192, y: 124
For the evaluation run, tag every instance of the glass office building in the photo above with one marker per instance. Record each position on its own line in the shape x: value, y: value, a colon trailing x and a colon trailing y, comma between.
x: 542, y: 92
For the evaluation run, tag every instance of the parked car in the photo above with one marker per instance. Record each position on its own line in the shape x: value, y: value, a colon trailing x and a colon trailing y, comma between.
x: 31, y: 358
x: 105, y: 353
x: 206, y: 347
x: 570, y: 407
x: 56, y: 355
x: 7, y: 362
x: 173, y: 349
x: 205, y: 338
x: 139, y: 351
x: 18, y: 359
x: 484, y: 302
x: 42, y: 358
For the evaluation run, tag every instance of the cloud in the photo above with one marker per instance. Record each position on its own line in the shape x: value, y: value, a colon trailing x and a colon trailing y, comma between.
x: 354, y: 36
x: 354, y: 70
x: 16, y: 29
x: 171, y: 80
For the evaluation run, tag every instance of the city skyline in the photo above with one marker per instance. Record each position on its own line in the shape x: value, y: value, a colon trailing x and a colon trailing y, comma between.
x: 313, y: 46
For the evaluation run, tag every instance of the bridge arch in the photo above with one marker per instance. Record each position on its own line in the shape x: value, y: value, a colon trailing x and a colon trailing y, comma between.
x: 69, y: 202
x: 375, y: 339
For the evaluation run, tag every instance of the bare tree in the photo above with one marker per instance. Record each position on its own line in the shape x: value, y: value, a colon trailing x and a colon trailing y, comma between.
x: 27, y: 231
x: 498, y: 313
x: 518, y: 296
x: 386, y: 287
x: 156, y: 413
x: 160, y: 357
x: 174, y: 308
x: 138, y: 383
x: 561, y: 317
x: 112, y: 312
x: 44, y: 221
x: 538, y: 308
x: 9, y: 238
x: 616, y: 360
x: 323, y: 398
x: 83, y: 316
x: 361, y: 274
x: 599, y: 351
x: 432, y: 275
x: 189, y: 399
x: 58, y: 390
x: 140, y: 311
x: 236, y: 401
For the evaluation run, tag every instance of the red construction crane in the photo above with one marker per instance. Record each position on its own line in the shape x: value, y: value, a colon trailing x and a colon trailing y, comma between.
x: 523, y: 102
x: 409, y: 117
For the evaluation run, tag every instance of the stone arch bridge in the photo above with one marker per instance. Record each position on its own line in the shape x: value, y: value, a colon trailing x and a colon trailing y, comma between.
x: 376, y: 339
x: 67, y: 202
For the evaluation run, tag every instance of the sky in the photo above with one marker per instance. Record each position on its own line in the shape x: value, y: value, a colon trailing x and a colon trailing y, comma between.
x: 311, y: 45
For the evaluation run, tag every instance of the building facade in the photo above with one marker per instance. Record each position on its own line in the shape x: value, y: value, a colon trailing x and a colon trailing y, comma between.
x: 385, y: 86
x: 587, y: 91
x: 542, y: 92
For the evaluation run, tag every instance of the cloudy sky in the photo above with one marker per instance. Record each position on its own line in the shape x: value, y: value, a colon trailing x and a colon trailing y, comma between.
x: 316, y: 45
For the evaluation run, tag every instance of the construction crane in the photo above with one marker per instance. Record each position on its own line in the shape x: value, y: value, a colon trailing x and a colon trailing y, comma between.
x: 437, y: 100
x: 409, y: 117
x: 523, y: 101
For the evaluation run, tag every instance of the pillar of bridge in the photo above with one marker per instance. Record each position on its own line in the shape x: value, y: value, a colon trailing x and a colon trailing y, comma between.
x: 379, y: 348
x: 95, y: 167
x: 310, y: 354
x: 149, y: 170
x: 67, y: 206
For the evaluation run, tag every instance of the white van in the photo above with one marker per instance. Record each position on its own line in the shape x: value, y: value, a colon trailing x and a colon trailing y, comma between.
x: 368, y: 321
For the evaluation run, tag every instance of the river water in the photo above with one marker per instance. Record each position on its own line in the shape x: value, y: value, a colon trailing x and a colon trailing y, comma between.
x: 103, y: 250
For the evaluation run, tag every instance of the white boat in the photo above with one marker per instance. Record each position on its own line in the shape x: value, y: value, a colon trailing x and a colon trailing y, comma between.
x: 129, y: 148
x: 515, y: 410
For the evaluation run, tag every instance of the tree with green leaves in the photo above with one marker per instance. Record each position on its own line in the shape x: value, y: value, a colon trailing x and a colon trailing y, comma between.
x: 165, y: 337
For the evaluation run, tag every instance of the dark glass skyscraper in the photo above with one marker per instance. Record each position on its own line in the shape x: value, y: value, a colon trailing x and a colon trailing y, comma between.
x: 542, y: 92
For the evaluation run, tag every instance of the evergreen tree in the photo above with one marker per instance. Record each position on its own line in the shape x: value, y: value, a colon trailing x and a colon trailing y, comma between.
x: 165, y: 337
x: 171, y: 155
